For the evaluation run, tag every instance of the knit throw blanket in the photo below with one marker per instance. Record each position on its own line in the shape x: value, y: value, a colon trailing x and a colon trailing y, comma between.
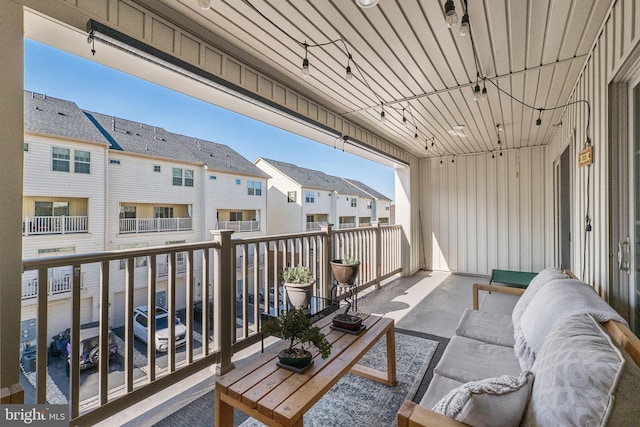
x: 551, y: 304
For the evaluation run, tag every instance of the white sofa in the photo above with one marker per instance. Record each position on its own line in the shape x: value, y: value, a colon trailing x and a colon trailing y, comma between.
x: 563, y: 357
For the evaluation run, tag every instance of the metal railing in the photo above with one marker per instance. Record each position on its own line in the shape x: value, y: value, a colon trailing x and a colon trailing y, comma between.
x: 226, y: 268
x: 152, y: 225
x: 238, y: 226
x: 36, y: 225
x: 55, y: 286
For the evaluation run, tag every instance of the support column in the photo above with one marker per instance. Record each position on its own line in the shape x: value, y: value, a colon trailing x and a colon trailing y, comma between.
x: 224, y: 303
x: 403, y: 216
x: 377, y: 253
x: 11, y: 143
x: 325, y: 261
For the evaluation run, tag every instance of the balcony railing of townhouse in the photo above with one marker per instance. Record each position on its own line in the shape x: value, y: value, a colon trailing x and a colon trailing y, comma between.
x: 152, y: 225
x: 315, y: 225
x: 233, y: 325
x: 344, y: 225
x: 36, y: 225
x: 238, y: 226
x: 56, y: 286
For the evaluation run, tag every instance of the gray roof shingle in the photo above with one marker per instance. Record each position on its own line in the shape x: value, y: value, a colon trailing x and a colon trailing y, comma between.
x: 312, y: 178
x: 364, y: 187
x: 56, y: 117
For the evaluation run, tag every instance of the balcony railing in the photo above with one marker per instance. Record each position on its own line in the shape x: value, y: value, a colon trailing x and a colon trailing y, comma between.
x: 152, y: 225
x: 54, y: 225
x: 315, y: 225
x: 55, y: 286
x: 344, y: 225
x: 209, y: 340
x: 238, y: 226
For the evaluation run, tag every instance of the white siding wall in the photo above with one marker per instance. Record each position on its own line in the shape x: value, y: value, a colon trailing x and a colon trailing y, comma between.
x: 482, y: 213
x: 283, y: 217
x: 362, y: 208
x: 617, y: 39
x: 322, y: 205
x: 344, y: 208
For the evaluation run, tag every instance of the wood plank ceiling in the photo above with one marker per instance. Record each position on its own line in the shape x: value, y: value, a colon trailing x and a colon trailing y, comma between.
x: 407, y: 59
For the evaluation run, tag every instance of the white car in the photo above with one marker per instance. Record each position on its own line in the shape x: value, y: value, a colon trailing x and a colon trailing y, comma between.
x: 140, y: 328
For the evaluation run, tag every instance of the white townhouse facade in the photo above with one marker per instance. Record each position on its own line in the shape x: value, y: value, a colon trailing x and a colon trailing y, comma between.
x: 377, y: 207
x: 301, y: 199
x: 94, y: 182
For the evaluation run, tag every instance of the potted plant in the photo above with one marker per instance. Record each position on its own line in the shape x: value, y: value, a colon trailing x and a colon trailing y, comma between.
x: 298, y: 282
x: 296, y: 327
x: 345, y: 271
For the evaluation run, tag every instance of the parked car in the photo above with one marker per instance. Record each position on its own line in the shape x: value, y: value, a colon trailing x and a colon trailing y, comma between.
x: 140, y: 327
x: 197, y: 310
x: 90, y: 348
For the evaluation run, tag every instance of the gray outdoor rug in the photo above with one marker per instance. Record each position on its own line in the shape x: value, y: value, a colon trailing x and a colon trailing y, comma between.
x: 353, y: 401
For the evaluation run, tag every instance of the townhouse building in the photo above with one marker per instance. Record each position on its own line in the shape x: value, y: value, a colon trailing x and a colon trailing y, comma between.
x: 94, y: 182
x: 301, y: 199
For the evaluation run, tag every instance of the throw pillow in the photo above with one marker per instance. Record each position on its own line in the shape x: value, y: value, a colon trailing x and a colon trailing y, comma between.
x: 538, y: 282
x: 495, y: 402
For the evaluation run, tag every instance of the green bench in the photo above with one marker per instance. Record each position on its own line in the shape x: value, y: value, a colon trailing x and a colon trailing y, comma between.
x: 517, y: 279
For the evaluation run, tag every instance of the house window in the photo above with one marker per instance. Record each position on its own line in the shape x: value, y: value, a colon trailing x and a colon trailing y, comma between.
x: 26, y: 146
x: 309, y: 197
x: 114, y: 162
x: 188, y: 177
x: 354, y: 202
x: 235, y: 216
x: 82, y: 162
x: 291, y: 196
x: 177, y: 176
x: 60, y: 159
x: 386, y: 208
x: 52, y: 209
x: 156, y: 168
x: 162, y: 212
x: 310, y: 218
x: 212, y: 177
x: 238, y: 181
x: 369, y: 204
x: 139, y: 261
x: 127, y: 212
x: 254, y: 188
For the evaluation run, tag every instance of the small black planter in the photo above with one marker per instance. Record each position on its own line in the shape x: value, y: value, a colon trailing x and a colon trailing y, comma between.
x: 295, y: 362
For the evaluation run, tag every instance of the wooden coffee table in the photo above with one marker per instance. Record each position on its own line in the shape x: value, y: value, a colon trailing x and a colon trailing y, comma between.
x: 279, y: 397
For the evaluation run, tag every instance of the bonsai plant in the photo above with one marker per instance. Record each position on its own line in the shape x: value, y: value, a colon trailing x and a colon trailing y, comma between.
x: 296, y: 327
x: 345, y: 271
x: 298, y: 282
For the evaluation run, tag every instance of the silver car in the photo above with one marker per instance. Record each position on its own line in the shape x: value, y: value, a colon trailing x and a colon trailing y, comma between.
x: 140, y: 328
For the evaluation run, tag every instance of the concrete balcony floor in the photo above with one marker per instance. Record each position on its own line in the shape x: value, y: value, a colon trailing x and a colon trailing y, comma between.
x: 430, y: 302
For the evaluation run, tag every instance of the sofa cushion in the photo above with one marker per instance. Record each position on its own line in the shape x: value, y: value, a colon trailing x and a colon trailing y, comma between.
x: 438, y: 387
x: 466, y: 359
x: 492, y: 328
x: 552, y: 304
x: 576, y: 373
x: 541, y: 279
x: 492, y: 402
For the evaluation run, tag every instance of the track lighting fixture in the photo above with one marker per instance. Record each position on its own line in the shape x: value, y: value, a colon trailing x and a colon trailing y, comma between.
x: 539, y: 121
x: 305, y: 63
x: 204, y: 4
x: 366, y: 3
x: 464, y: 26
x: 450, y: 15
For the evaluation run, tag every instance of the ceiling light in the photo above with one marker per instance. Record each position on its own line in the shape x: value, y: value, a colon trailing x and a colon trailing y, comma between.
x: 416, y: 135
x: 539, y: 121
x: 450, y: 15
x: 382, y: 116
x: 405, y: 122
x: 464, y: 27
x: 500, y: 127
x: 204, y: 4
x: 366, y: 3
x: 477, y: 93
x: 483, y: 95
x: 305, y: 63
x: 349, y: 74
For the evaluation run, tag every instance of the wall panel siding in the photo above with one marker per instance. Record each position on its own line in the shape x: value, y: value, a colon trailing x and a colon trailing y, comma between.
x: 615, y: 42
x: 484, y: 213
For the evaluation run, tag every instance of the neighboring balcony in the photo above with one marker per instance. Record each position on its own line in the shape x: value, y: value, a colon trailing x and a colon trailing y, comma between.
x: 238, y: 220
x: 154, y: 225
x: 311, y: 226
x: 38, y: 225
x: 238, y: 226
x: 55, y: 286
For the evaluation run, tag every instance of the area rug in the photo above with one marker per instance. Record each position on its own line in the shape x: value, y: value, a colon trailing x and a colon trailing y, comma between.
x: 356, y: 401
x: 416, y: 356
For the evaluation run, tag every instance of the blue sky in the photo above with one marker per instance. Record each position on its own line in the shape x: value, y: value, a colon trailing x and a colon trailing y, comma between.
x: 98, y: 88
